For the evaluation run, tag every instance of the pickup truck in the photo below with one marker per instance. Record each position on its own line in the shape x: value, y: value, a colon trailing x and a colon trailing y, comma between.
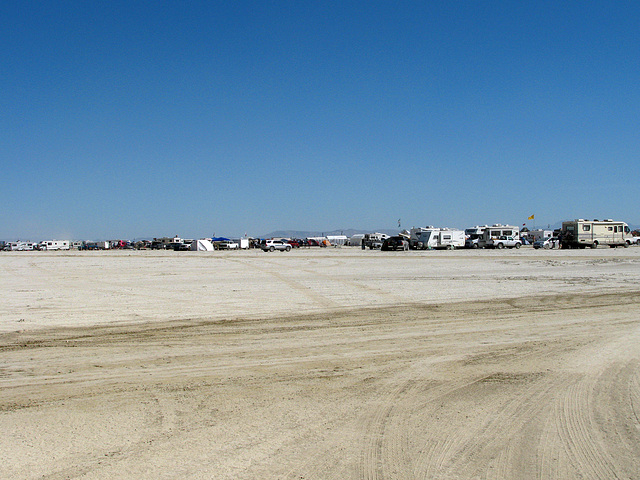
x: 504, y: 242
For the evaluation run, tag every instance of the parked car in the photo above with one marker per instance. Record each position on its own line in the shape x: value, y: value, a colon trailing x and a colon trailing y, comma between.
x: 294, y: 243
x: 506, y: 241
x: 546, y: 243
x: 228, y: 245
x: 395, y: 243
x: 273, y: 245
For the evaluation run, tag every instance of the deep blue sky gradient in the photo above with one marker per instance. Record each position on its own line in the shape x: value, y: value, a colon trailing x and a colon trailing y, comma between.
x: 133, y: 119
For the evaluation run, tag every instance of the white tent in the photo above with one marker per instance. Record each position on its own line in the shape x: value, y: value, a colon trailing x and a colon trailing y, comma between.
x: 201, y: 246
x: 337, y: 239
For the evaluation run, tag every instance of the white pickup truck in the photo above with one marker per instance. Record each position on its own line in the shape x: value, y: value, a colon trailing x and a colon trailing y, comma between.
x: 504, y: 242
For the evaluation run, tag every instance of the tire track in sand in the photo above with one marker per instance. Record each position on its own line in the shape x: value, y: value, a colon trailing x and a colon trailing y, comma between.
x: 306, y: 291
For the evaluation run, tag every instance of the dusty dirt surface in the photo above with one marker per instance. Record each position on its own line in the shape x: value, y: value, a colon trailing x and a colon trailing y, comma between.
x: 320, y: 364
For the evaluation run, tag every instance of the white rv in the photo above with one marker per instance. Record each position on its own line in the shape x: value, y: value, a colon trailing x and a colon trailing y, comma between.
x: 20, y: 246
x: 55, y: 245
x: 473, y: 234
x: 583, y: 233
x: 423, y: 238
x: 491, y: 234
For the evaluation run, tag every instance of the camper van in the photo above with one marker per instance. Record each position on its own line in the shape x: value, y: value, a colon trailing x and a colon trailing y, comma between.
x: 500, y: 236
x: 54, y: 245
x: 583, y: 233
x: 423, y: 238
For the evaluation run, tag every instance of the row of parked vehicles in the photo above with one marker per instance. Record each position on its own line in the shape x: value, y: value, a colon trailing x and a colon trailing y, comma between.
x: 430, y: 237
x: 286, y: 244
x: 578, y: 233
x: 21, y: 246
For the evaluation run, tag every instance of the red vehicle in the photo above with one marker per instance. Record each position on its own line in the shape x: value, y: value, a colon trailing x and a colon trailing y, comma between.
x: 294, y: 243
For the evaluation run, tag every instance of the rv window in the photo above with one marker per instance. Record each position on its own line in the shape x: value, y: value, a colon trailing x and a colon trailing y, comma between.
x: 627, y: 230
x: 586, y: 228
x: 506, y: 232
x: 609, y: 228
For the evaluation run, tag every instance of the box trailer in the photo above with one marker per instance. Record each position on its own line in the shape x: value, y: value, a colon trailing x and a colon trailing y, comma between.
x: 581, y: 233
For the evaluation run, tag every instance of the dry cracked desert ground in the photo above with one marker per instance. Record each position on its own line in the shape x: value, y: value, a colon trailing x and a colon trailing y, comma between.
x: 320, y: 364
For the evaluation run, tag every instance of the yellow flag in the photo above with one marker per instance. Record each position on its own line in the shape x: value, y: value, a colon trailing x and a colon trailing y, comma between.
x: 531, y: 217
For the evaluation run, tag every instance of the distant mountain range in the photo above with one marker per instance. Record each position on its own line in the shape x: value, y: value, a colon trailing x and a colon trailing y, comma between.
x: 349, y: 232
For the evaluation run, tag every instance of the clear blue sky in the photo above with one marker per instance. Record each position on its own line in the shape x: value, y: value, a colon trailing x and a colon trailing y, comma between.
x: 132, y: 119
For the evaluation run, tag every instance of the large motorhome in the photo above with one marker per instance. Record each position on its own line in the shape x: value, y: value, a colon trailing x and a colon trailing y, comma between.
x: 20, y: 246
x: 496, y: 231
x: 54, y: 245
x: 583, y: 233
x: 422, y: 238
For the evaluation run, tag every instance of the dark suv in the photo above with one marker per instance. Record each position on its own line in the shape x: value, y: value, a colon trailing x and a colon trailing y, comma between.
x: 395, y: 243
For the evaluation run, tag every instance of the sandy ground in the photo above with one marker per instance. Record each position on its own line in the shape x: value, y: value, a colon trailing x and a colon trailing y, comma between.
x: 320, y: 364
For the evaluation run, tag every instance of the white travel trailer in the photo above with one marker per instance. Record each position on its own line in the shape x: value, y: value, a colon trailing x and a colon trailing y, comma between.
x: 55, y: 245
x: 583, y: 233
x: 496, y: 231
x: 416, y: 233
x: 423, y: 238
